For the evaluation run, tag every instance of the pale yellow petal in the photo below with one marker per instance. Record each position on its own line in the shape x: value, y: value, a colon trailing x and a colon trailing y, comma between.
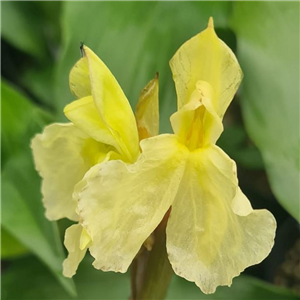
x: 85, y: 239
x: 205, y: 57
x: 62, y: 155
x: 240, y: 204
x: 219, y: 235
x: 113, y: 105
x: 85, y: 115
x: 120, y: 205
x: 147, y: 112
x: 79, y: 79
x: 73, y: 238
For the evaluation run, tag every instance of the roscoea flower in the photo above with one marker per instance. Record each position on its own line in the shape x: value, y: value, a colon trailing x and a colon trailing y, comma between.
x: 213, y: 233
x: 102, y: 128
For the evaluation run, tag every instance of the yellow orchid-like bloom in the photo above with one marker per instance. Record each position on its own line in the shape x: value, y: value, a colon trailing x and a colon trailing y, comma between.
x: 213, y: 233
x: 102, y: 128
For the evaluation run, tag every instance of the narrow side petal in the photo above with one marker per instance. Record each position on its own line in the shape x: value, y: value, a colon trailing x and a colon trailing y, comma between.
x: 121, y: 205
x: 73, y: 237
x: 205, y: 57
x: 147, y: 113
x: 220, y: 234
x: 79, y: 79
x: 62, y: 155
x: 113, y: 105
x: 84, y: 114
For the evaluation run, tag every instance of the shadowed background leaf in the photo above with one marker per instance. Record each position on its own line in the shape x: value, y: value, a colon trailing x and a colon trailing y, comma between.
x: 37, y: 283
x: 22, y: 214
x: 10, y: 246
x: 268, y: 51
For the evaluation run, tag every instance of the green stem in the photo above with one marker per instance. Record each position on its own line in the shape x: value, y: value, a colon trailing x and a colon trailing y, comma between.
x: 151, y: 270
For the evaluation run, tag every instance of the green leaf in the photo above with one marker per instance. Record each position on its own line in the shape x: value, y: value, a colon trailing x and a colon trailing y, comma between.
x: 33, y: 27
x: 243, y: 288
x: 22, y: 210
x: 34, y: 282
x: 10, y: 247
x: 20, y: 120
x: 22, y: 215
x: 135, y: 40
x: 19, y: 27
x: 40, y: 83
x: 235, y: 143
x: 268, y: 50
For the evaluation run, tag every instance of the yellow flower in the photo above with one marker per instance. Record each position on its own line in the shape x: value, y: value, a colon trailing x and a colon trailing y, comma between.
x: 213, y: 233
x: 102, y: 128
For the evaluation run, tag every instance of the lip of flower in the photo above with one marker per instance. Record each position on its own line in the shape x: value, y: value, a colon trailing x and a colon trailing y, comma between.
x: 213, y: 233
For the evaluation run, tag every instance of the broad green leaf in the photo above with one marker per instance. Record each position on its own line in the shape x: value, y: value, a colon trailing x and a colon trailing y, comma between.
x: 268, y: 50
x: 35, y: 282
x: 22, y: 213
x: 19, y: 27
x: 243, y: 288
x: 40, y: 83
x: 20, y: 120
x: 33, y: 28
x: 235, y: 143
x: 135, y: 40
x: 11, y: 247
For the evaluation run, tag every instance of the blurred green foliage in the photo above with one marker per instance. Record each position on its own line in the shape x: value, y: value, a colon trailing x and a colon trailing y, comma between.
x: 21, y: 119
x: 22, y: 211
x: 269, y: 56
x: 40, y: 44
x: 10, y: 246
x: 94, y: 284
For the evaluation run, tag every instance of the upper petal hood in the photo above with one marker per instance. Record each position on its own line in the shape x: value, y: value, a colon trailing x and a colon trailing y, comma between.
x: 207, y: 58
x: 90, y: 76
